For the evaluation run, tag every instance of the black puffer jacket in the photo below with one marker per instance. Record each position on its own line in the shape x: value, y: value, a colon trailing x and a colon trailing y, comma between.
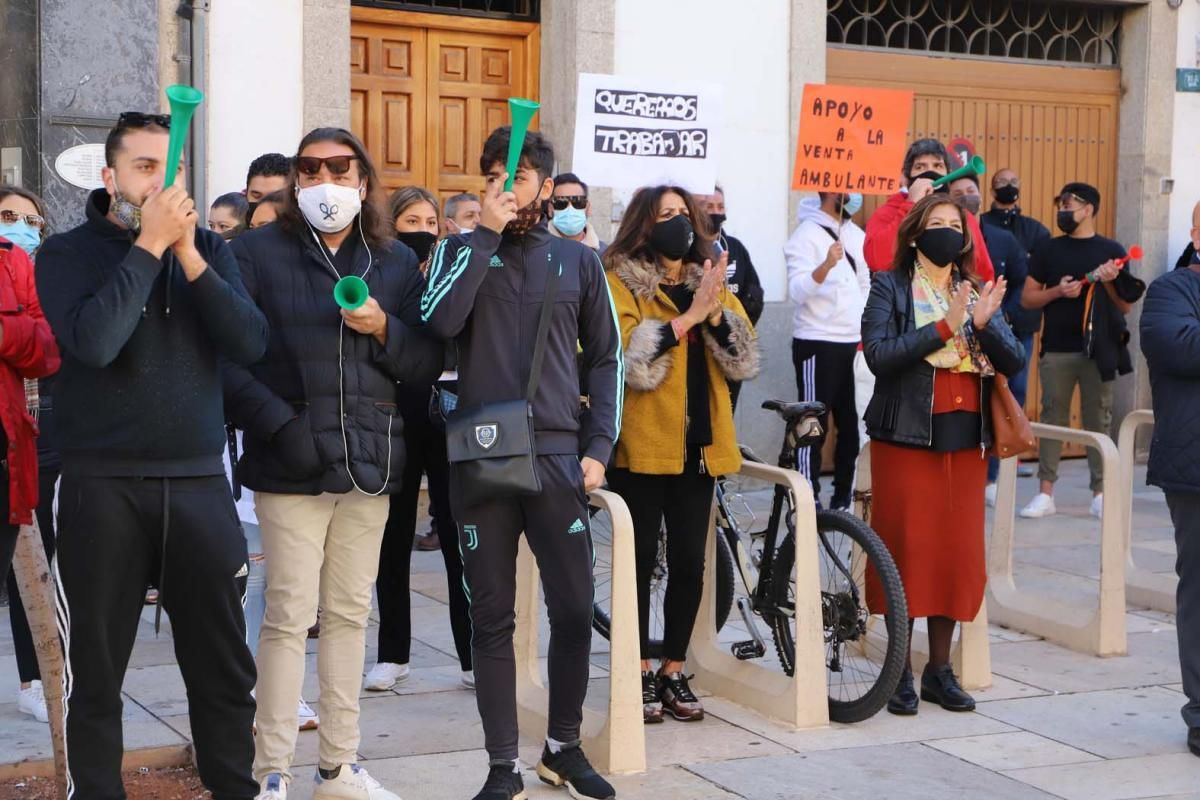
x: 300, y: 433
x: 1171, y: 342
x: 901, y: 409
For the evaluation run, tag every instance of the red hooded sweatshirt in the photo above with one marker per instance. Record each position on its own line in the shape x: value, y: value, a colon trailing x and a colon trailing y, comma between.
x: 27, y: 350
x: 884, y: 225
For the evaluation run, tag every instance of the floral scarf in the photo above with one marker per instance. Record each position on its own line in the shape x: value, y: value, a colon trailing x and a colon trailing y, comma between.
x: 962, y: 352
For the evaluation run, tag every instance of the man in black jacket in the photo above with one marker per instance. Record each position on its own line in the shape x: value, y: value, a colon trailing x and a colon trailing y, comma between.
x: 324, y: 443
x: 1171, y: 342
x: 739, y: 272
x: 485, y: 292
x: 143, y: 304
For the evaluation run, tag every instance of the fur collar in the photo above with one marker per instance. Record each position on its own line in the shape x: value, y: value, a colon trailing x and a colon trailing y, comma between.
x: 643, y: 277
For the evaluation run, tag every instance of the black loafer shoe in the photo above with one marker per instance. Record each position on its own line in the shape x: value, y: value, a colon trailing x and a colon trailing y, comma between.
x: 1194, y: 741
x: 939, y: 685
x: 904, y: 701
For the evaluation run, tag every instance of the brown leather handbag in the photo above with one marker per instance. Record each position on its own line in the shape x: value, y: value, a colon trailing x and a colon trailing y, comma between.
x: 1011, y: 432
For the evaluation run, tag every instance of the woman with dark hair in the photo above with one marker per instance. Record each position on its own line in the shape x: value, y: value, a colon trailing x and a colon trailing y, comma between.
x: 323, y: 443
x: 227, y: 215
x: 933, y: 338
x: 23, y: 222
x: 415, y: 214
x: 685, y: 335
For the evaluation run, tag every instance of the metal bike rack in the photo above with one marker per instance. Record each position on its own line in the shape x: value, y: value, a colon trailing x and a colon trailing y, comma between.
x: 972, y: 654
x: 800, y: 700
x: 1100, y: 629
x: 1142, y: 587
x: 615, y: 740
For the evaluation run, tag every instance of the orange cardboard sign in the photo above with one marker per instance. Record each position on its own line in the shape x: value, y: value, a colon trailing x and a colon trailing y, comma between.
x: 852, y: 139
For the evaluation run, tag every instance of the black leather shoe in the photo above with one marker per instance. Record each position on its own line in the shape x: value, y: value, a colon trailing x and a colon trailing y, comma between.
x: 939, y: 685
x: 1194, y: 741
x: 904, y: 701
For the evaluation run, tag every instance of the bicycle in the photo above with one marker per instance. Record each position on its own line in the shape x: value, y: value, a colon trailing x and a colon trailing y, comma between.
x: 865, y: 654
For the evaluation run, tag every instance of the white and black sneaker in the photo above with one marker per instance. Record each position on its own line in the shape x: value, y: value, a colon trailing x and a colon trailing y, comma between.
x: 503, y: 783
x: 569, y: 767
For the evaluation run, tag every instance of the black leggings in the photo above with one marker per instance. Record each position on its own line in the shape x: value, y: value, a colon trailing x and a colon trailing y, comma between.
x: 27, y: 666
x: 686, y: 502
x: 425, y: 452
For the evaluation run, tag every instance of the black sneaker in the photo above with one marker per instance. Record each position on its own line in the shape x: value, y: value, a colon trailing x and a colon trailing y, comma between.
x: 678, y: 697
x: 1194, y: 740
x: 502, y: 784
x: 570, y: 767
x: 652, y: 708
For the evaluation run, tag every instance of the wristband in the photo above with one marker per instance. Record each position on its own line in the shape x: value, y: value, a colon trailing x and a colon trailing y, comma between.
x: 677, y: 327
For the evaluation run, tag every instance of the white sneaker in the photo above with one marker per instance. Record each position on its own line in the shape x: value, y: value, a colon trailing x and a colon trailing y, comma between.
x: 384, y: 676
x: 1097, y: 507
x: 32, y: 701
x: 468, y: 678
x: 1040, y: 506
x: 989, y: 495
x: 272, y: 788
x: 309, y: 721
x: 352, y: 783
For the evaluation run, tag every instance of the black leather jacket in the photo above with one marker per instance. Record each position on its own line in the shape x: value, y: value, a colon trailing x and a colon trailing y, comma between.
x: 901, y: 409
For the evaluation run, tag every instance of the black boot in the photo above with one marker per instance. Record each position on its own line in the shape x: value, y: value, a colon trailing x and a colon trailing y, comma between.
x: 904, y: 701
x: 939, y: 685
x: 1194, y: 741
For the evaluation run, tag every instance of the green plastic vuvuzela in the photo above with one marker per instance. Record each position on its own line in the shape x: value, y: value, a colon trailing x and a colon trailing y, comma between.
x: 183, y: 100
x: 522, y: 112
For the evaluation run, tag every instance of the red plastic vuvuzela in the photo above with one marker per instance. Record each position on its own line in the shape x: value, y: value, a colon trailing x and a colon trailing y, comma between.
x: 1135, y: 254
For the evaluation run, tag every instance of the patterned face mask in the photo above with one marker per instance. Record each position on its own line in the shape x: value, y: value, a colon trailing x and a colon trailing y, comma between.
x: 130, y: 215
x: 526, y: 218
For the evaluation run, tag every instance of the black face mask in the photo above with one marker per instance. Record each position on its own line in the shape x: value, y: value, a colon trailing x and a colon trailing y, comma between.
x: 942, y: 246
x: 233, y: 233
x: 1007, y: 194
x: 250, y: 207
x: 971, y: 202
x: 933, y: 176
x: 673, y: 238
x: 421, y: 242
x: 717, y: 221
x: 1067, y: 222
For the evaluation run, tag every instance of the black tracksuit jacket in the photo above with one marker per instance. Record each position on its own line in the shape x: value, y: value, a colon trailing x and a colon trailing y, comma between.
x: 485, y: 292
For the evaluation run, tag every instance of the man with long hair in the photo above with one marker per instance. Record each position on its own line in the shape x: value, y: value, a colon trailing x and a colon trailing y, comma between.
x: 324, y: 444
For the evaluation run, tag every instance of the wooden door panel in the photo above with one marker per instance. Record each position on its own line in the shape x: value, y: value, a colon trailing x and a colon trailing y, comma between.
x: 387, y: 90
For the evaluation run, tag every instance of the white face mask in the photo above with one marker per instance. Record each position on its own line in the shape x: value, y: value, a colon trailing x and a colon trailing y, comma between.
x: 329, y: 207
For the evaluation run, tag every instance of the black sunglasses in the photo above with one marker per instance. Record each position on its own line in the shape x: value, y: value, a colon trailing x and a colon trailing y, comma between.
x: 561, y: 203
x: 311, y: 165
x: 136, y: 119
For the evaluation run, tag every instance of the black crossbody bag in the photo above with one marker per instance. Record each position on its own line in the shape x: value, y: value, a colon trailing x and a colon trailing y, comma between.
x: 491, y: 447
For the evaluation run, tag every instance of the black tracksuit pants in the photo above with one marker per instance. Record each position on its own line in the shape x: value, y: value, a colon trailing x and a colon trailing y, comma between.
x: 1185, y: 514
x: 556, y: 526
x: 825, y: 372
x: 110, y: 546
x: 685, y: 501
x: 425, y: 453
x: 27, y: 665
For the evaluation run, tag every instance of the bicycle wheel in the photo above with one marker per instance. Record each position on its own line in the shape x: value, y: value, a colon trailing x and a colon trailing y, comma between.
x: 602, y: 578
x: 864, y: 653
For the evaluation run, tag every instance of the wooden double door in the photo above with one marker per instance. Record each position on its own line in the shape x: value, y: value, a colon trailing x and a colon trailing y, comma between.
x: 427, y: 89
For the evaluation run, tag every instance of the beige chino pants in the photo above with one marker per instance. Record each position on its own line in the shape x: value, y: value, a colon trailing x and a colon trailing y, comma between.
x: 321, y: 550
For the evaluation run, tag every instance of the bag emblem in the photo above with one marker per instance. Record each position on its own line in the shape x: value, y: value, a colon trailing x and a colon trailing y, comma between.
x: 486, y: 435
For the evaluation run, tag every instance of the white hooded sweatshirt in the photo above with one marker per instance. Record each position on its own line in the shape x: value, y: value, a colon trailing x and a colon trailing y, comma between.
x: 830, y: 311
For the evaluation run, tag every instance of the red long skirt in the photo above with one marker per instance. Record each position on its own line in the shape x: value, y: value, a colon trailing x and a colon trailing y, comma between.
x: 928, y: 509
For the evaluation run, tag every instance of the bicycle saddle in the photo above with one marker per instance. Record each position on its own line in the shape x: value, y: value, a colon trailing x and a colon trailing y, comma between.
x: 793, y: 411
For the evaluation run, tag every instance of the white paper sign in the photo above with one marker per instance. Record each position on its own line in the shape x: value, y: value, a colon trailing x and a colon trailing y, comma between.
x: 632, y: 132
x: 80, y: 165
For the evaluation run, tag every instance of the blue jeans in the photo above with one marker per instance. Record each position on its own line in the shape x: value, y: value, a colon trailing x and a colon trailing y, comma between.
x: 1019, y: 384
x: 255, y: 602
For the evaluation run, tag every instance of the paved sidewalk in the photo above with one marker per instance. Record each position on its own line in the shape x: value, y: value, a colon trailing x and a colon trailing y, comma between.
x: 1054, y: 723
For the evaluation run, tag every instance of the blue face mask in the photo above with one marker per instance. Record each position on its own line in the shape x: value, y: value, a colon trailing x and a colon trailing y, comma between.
x: 22, y: 234
x: 570, y: 221
x: 853, y: 204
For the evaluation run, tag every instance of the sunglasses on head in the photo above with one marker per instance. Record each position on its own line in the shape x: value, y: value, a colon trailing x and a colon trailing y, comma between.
x: 311, y: 165
x: 561, y: 203
x: 12, y: 217
x: 136, y: 119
